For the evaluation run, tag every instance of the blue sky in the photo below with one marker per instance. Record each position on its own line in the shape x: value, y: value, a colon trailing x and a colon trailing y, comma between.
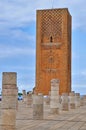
x: 18, y: 40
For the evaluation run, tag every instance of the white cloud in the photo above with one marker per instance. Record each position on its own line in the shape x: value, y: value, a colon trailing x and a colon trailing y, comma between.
x: 74, y: 55
x: 18, y: 68
x: 19, y: 12
x: 81, y: 73
x: 18, y: 34
x: 79, y: 85
x: 15, y: 51
x: 16, y: 13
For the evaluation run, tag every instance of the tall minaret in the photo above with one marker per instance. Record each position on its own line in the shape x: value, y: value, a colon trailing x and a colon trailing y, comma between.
x: 53, y: 49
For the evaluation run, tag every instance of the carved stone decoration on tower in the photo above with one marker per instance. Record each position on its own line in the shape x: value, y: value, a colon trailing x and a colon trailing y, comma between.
x: 53, y: 49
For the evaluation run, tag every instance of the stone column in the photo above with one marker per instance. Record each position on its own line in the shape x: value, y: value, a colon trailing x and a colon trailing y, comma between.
x: 17, y: 98
x: 24, y: 96
x: 0, y: 108
x: 77, y: 100
x: 37, y: 106
x: 84, y: 99
x: 9, y: 94
x: 72, y: 100
x: 64, y: 102
x: 29, y: 99
x: 47, y: 100
x: 81, y: 101
x: 54, y: 99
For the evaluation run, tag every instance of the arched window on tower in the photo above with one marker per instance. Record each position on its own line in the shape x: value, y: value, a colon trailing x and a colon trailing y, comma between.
x: 51, y: 39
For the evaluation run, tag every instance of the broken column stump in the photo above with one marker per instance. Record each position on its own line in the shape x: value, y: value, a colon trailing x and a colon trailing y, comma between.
x: 9, y: 99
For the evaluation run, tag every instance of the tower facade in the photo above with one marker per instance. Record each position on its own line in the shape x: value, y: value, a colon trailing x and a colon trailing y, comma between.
x: 53, y: 49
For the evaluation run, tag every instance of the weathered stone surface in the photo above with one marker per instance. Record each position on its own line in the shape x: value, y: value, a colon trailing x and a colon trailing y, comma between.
x: 37, y: 106
x: 9, y: 101
x: 6, y: 127
x: 54, y: 110
x: 9, y: 78
x: 37, y: 99
x: 9, y: 86
x: 24, y: 92
x: 84, y: 99
x: 8, y: 117
x: 72, y: 105
x: 64, y: 102
x: 29, y: 99
x: 9, y: 92
x: 47, y: 100
x: 24, y: 96
x: 65, y: 106
x: 54, y: 99
x: 72, y: 100
x: 77, y: 100
x: 70, y: 120
x: 37, y: 111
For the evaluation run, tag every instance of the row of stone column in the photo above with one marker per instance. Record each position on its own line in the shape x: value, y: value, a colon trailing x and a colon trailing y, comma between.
x: 27, y: 98
x: 9, y: 101
x: 70, y: 102
x: 67, y: 102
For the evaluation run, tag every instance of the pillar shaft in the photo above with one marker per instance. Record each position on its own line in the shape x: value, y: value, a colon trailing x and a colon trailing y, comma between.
x: 37, y: 106
x: 64, y: 102
x: 9, y: 99
x: 54, y: 102
x: 77, y: 100
x: 72, y: 100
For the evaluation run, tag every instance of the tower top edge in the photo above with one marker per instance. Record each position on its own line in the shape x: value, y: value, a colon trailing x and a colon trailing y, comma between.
x: 53, y: 9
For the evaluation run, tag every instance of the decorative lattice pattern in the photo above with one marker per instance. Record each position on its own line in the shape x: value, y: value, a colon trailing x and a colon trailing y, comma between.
x: 51, y: 23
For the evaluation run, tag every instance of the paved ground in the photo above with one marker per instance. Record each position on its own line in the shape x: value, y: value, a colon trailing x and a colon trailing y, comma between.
x: 71, y: 120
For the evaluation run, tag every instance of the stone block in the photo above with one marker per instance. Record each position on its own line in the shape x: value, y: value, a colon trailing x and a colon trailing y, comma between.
x: 37, y: 99
x: 9, y: 78
x: 9, y: 102
x: 8, y: 127
x: 72, y: 105
x: 65, y: 107
x: 37, y: 106
x: 9, y: 92
x: 9, y: 86
x: 37, y: 111
x: 54, y: 111
x: 54, y: 93
x: 8, y: 117
x: 55, y: 88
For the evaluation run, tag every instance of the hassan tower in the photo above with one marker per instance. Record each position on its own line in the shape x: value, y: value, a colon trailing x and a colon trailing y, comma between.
x: 53, y: 49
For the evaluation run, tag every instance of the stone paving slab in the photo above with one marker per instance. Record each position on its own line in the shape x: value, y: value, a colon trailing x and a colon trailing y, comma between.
x: 65, y: 120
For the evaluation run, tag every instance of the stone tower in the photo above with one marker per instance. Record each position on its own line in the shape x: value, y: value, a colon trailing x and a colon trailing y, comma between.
x: 53, y: 49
